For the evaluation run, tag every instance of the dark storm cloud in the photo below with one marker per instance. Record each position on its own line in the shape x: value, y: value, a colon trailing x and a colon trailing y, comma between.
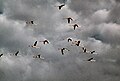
x: 117, y: 0
x: 97, y: 32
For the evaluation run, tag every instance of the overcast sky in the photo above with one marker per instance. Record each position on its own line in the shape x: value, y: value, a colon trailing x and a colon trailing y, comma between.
x: 99, y: 30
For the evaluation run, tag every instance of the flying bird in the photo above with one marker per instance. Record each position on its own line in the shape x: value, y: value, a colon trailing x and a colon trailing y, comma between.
x: 91, y: 59
x: 69, y: 39
x: 1, y: 55
x: 62, y: 50
x: 30, y: 22
x: 60, y: 6
x: 16, y: 53
x: 92, y: 52
x: 77, y: 43
x: 45, y: 42
x: 69, y: 19
x: 38, y: 56
x: 75, y: 26
x: 34, y: 45
x: 84, y: 50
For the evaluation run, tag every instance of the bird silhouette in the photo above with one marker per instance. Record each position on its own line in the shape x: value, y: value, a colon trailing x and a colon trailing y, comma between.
x: 38, y: 56
x: 34, y: 45
x: 1, y: 55
x: 91, y: 59
x: 62, y: 50
x: 75, y: 26
x: 30, y: 22
x: 69, y: 39
x: 69, y: 19
x: 76, y: 43
x: 16, y: 53
x: 84, y: 50
x: 92, y: 52
x: 45, y: 42
x: 60, y: 6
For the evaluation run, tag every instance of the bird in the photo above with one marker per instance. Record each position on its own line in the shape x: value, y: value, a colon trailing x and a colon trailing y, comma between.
x: 69, y: 39
x: 16, y: 53
x: 45, y: 41
x: 84, y: 50
x: 91, y: 59
x: 1, y: 55
x: 77, y: 43
x: 34, y: 45
x: 62, y: 50
x: 75, y: 25
x: 60, y: 6
x: 30, y: 22
x: 38, y: 56
x: 69, y: 19
x: 91, y: 52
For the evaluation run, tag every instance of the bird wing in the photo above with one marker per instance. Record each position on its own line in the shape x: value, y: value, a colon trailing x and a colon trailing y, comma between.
x: 71, y: 19
x: 62, y: 52
x: 35, y: 43
x: 1, y: 55
x: 16, y: 53
x: 77, y: 25
x: 69, y: 40
x: 90, y: 59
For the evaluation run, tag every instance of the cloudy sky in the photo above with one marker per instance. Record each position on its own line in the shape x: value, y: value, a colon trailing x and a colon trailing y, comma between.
x: 99, y: 30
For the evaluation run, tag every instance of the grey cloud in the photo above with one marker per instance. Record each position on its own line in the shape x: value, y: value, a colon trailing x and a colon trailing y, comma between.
x: 88, y: 7
x: 97, y: 32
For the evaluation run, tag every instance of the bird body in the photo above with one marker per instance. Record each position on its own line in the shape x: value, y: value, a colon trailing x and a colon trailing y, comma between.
x: 60, y: 6
x: 75, y: 25
x: 69, y: 19
x: 76, y: 43
x: 92, y: 52
x: 45, y: 42
x: 62, y: 50
x: 91, y: 59
x: 34, y: 45
x: 84, y: 50
x: 38, y: 56
x: 30, y: 22
x: 69, y: 39
x: 16, y: 53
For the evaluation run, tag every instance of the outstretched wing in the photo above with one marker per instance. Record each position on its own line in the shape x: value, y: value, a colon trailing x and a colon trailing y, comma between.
x: 90, y: 59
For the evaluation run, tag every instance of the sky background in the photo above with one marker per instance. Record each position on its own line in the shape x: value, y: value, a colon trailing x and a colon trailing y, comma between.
x: 99, y: 31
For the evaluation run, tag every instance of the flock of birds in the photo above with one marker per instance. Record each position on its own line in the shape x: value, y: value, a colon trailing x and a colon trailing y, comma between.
x: 74, y: 42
